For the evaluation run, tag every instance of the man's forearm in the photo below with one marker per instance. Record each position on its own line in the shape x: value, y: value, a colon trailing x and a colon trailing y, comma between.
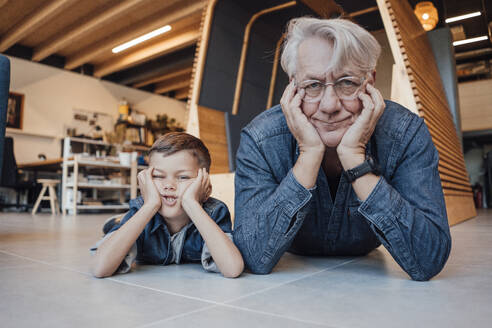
x: 307, y: 167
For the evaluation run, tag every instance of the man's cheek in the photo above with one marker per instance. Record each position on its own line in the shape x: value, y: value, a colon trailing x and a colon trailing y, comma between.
x: 308, y: 110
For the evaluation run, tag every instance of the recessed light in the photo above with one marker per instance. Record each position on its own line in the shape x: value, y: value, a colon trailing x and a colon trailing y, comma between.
x: 141, y: 39
x: 457, y: 18
x: 460, y: 42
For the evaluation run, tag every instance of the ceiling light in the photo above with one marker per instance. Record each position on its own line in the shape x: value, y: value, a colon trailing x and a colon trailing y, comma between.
x: 141, y: 39
x: 426, y: 14
x: 457, y: 18
x: 460, y: 42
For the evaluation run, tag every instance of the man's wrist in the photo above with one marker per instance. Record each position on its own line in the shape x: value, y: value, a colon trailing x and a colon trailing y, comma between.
x: 306, y: 168
x: 351, y: 159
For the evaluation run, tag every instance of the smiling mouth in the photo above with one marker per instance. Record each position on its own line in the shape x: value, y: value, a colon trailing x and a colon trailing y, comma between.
x: 169, y: 200
x: 331, y: 123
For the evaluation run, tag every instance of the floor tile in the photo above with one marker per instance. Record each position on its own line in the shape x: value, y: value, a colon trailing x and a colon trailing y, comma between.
x: 45, y: 296
x: 225, y: 317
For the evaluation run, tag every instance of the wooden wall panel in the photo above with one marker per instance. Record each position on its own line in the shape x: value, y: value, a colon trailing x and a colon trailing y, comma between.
x: 476, y: 105
x: 412, y: 50
x: 213, y: 134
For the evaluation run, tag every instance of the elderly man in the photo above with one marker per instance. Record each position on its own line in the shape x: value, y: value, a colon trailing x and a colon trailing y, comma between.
x: 335, y: 169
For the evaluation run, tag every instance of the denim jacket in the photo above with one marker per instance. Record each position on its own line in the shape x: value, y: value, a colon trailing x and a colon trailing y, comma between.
x: 405, y: 212
x: 154, y: 245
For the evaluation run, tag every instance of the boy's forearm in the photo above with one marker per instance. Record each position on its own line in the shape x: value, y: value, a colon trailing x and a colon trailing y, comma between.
x: 224, y: 252
x: 111, y: 253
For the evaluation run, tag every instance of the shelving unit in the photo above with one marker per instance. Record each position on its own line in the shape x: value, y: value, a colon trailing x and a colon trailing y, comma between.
x: 74, y: 162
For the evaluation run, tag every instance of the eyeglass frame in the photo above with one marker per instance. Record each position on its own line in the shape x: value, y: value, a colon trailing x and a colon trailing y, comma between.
x: 326, y: 84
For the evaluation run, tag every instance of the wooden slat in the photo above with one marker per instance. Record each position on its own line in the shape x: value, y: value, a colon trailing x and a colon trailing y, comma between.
x: 459, y: 208
x: 324, y: 8
x: 476, y: 105
x: 171, y: 75
x: 175, y: 13
x: 80, y: 31
x: 213, y: 134
x: 182, y: 93
x: 411, y: 49
x: 31, y: 23
x: 172, y: 85
x: 164, y: 47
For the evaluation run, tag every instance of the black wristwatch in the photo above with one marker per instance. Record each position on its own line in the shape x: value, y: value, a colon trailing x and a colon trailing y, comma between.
x: 369, y: 165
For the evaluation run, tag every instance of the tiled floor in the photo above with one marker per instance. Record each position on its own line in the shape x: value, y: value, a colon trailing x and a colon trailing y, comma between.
x: 45, y: 282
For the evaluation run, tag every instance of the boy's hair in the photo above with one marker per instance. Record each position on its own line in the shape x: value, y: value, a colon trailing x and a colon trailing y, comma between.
x: 173, y: 142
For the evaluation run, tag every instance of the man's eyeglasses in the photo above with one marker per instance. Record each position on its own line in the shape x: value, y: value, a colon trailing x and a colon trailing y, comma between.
x: 346, y: 88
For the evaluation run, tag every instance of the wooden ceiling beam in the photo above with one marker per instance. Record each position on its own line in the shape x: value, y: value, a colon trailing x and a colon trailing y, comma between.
x: 175, y: 84
x: 68, y: 37
x: 324, y: 8
x: 32, y: 22
x: 159, y: 49
x: 174, y: 74
x: 182, y: 93
x: 183, y: 9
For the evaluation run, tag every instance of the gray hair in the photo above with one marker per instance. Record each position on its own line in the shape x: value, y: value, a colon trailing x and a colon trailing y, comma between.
x: 352, y: 44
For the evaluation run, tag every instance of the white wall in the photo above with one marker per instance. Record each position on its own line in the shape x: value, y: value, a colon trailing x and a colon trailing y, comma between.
x: 50, y: 95
x: 384, y: 67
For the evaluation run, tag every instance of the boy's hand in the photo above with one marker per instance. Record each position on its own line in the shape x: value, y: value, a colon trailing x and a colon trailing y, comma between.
x: 199, y: 190
x: 148, y: 189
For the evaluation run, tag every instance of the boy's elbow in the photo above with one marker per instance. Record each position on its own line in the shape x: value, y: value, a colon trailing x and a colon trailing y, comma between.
x: 100, y: 271
x: 234, y: 271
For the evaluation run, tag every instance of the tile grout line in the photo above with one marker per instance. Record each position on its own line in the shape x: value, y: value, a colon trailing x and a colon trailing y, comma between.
x: 177, y: 316
x: 289, y: 281
x: 111, y: 279
x: 213, y: 303
x: 275, y: 315
x: 164, y: 291
x: 225, y: 304
x: 45, y: 263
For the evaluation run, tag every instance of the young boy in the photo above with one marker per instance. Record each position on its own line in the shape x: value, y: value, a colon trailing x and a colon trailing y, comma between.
x: 174, y: 220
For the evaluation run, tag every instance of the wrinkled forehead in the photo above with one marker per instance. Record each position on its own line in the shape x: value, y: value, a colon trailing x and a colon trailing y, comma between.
x: 317, y: 60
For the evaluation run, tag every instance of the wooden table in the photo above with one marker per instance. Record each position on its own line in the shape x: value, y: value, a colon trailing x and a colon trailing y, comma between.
x: 46, y: 165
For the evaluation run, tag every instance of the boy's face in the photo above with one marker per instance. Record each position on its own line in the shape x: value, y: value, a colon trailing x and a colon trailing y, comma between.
x: 172, y: 175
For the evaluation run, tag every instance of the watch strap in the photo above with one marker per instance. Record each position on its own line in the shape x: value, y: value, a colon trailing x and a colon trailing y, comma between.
x: 366, y: 167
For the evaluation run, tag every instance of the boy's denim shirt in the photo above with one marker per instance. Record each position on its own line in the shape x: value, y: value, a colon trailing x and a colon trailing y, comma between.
x: 154, y: 243
x: 405, y: 211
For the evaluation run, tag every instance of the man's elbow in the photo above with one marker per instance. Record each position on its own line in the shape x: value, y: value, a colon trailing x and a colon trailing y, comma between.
x: 432, y: 266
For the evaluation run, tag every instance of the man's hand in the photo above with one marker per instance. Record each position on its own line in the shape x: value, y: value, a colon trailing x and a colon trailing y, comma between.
x: 303, y: 131
x: 351, y: 149
x: 199, y: 190
x: 148, y: 189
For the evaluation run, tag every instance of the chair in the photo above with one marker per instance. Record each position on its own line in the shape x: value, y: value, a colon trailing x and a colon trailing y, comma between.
x: 10, y: 177
x: 48, y: 184
x: 4, y: 99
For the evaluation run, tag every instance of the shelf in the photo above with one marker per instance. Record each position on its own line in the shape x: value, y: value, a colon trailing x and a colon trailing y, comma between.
x: 100, y: 186
x: 30, y: 134
x: 83, y: 162
x: 90, y: 141
x: 103, y: 143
